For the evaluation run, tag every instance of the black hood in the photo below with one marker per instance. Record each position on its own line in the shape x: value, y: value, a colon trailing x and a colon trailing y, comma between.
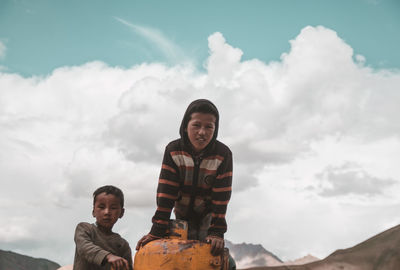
x: 202, y: 106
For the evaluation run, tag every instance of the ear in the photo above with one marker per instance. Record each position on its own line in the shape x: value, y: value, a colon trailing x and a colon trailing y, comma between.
x: 93, y: 213
x: 122, y: 213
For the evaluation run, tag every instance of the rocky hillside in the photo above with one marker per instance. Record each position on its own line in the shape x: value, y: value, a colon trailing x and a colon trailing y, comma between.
x: 380, y: 252
x: 14, y: 261
x: 250, y: 255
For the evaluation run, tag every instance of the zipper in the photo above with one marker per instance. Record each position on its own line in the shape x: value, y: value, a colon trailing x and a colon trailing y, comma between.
x: 197, y: 160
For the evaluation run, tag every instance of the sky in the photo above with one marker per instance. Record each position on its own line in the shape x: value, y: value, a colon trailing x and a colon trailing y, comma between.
x: 308, y: 93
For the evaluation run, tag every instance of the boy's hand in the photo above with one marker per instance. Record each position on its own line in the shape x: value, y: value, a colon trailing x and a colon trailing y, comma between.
x: 217, y: 244
x: 117, y: 263
x: 145, y: 239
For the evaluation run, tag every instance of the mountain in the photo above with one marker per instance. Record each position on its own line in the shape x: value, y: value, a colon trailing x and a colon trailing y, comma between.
x: 380, y: 252
x: 250, y: 255
x: 14, y: 261
x: 303, y: 260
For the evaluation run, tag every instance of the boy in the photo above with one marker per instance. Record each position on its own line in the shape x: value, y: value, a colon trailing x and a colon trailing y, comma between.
x: 97, y: 247
x: 195, y: 179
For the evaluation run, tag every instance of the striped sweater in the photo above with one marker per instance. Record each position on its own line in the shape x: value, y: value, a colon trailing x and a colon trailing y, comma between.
x: 194, y: 185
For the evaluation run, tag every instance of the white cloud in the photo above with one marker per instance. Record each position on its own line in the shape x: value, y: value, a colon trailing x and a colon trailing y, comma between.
x: 351, y: 180
x: 156, y: 38
x: 223, y: 62
x: 293, y: 125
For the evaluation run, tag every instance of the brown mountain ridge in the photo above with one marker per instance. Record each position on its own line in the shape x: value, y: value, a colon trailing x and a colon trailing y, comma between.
x: 13, y: 261
x: 381, y: 252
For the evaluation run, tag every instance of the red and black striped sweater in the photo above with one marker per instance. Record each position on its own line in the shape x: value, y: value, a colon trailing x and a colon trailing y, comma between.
x: 194, y: 185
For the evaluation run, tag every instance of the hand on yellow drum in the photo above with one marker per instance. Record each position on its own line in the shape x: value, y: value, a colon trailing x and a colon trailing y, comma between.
x: 117, y: 263
x: 217, y: 244
x: 146, y: 239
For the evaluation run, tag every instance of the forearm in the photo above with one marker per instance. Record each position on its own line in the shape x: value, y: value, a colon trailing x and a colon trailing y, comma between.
x: 220, y: 196
x: 166, y: 197
x: 167, y: 194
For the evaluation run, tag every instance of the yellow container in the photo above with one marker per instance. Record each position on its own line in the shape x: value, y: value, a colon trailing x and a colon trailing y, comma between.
x: 178, y: 253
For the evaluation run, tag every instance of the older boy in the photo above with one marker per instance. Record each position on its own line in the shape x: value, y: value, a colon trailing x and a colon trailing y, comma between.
x: 195, y: 179
x: 97, y: 247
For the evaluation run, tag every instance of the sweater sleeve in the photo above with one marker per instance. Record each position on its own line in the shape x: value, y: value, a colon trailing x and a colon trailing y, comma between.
x: 127, y: 254
x: 220, y: 196
x: 85, y: 246
x: 167, y: 194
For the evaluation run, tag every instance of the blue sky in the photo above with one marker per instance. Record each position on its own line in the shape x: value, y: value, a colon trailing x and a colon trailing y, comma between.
x: 92, y: 91
x: 43, y: 35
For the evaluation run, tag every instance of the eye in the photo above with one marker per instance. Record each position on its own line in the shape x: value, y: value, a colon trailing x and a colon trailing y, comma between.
x: 114, y: 206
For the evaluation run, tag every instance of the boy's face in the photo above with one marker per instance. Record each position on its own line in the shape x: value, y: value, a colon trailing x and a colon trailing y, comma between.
x: 200, y: 130
x: 107, y: 210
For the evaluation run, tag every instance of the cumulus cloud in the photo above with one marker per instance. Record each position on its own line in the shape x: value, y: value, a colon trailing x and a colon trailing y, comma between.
x: 291, y: 124
x: 349, y: 179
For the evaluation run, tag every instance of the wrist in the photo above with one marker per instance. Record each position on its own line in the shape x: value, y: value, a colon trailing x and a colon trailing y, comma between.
x: 105, y: 260
x: 157, y: 231
x: 154, y: 236
x: 215, y: 234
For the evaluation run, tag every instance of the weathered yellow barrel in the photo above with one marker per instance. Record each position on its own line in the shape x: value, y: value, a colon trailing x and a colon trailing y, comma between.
x: 178, y: 253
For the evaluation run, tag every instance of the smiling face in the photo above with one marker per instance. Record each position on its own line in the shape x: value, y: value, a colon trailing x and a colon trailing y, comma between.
x: 200, y: 130
x: 107, y: 210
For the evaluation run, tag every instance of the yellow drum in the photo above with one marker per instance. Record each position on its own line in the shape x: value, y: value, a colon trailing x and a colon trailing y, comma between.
x: 178, y: 253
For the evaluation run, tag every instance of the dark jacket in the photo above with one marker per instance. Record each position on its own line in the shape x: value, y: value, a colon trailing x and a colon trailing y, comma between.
x: 196, y: 184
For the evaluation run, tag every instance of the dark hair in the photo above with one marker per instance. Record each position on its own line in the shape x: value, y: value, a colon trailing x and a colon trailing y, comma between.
x: 109, y: 190
x: 199, y: 106
x: 203, y: 106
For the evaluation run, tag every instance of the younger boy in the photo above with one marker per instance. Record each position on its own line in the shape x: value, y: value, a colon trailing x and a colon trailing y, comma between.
x: 97, y: 247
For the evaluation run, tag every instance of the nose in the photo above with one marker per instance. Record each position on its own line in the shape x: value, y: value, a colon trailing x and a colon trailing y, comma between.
x: 107, y: 211
x: 202, y: 131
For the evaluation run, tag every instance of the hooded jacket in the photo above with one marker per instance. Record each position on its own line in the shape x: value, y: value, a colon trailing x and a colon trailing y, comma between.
x: 195, y: 184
